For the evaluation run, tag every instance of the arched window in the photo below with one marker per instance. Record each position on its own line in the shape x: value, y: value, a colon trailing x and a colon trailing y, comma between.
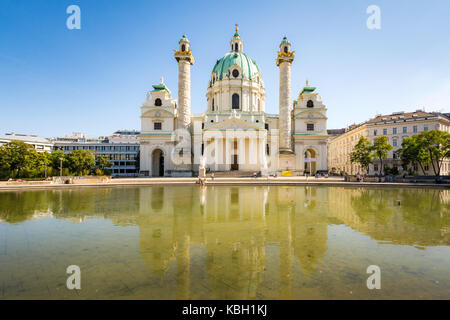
x: 236, y: 47
x: 235, y: 101
x: 183, y: 47
x: 310, y: 104
x: 212, y: 106
x: 285, y: 49
x: 158, y: 102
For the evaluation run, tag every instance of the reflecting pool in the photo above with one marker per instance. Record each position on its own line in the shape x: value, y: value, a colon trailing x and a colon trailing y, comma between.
x: 225, y: 242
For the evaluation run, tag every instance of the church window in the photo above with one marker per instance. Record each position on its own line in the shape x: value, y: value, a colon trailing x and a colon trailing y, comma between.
x: 236, y: 47
x: 267, y: 149
x: 212, y: 105
x: 285, y: 49
x: 183, y: 47
x: 235, y: 73
x: 157, y: 126
x: 310, y: 126
x: 235, y: 101
x: 158, y: 102
x: 203, y: 148
x: 266, y: 126
x: 310, y: 104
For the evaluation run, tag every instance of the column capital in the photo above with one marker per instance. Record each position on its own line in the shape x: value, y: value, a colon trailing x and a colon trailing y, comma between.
x: 285, y: 57
x: 184, y: 55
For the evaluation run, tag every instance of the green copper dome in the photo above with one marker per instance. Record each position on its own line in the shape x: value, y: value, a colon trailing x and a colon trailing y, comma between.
x: 183, y: 39
x: 248, y: 66
x: 285, y: 40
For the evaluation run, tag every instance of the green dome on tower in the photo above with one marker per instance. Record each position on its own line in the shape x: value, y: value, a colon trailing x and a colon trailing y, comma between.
x: 183, y: 38
x: 246, y: 64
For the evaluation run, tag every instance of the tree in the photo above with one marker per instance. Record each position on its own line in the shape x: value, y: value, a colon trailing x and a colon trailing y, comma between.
x: 436, y: 144
x: 80, y: 162
x: 14, y: 156
x: 103, y: 163
x: 412, y: 152
x: 362, y: 153
x: 380, y: 149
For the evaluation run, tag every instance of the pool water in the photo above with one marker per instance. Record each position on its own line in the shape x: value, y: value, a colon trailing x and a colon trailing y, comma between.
x: 225, y: 242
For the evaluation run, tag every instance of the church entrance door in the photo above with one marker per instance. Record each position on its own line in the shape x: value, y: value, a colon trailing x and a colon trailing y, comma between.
x: 235, y: 165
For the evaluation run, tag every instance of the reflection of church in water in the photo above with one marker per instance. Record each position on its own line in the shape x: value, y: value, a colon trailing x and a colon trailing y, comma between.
x: 236, y: 228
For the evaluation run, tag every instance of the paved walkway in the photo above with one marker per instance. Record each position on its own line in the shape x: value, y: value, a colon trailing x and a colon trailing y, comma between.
x: 332, y: 181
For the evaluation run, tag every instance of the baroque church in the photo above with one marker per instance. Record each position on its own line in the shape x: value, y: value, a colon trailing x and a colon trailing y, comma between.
x: 235, y: 132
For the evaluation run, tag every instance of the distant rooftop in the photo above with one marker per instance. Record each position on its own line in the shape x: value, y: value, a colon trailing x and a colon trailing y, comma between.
x: 25, y: 138
x: 396, y: 116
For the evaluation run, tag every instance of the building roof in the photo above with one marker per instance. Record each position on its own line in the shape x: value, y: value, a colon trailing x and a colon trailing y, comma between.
x: 308, y: 90
x: 248, y: 66
x: 25, y: 138
x: 160, y: 87
x: 336, y: 131
x: 400, y: 116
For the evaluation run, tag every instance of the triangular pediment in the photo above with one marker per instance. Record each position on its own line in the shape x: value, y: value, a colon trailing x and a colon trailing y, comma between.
x: 309, y: 114
x: 233, y: 124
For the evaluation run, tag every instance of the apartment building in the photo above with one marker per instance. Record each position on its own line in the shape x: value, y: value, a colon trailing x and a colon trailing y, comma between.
x: 395, y: 127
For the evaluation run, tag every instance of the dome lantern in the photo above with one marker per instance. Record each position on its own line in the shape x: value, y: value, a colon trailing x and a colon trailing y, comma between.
x: 236, y: 43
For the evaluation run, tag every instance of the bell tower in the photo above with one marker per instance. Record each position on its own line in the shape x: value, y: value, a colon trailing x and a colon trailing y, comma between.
x: 185, y: 59
x: 284, y: 61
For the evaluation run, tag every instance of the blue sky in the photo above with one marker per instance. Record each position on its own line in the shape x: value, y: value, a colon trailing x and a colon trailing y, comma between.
x: 55, y: 81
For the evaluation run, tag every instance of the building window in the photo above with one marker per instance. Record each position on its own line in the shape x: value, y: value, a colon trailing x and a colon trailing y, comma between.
x: 203, y: 125
x: 235, y: 101
x: 203, y: 148
x: 394, y: 142
x: 235, y: 73
x: 415, y: 129
x: 405, y: 130
x: 212, y: 106
x: 236, y: 47
x: 158, y: 102
x: 183, y: 47
x: 384, y: 132
x: 266, y: 126
x: 425, y: 128
x: 426, y: 167
x: 374, y: 132
x: 267, y: 149
x: 310, y: 104
x: 394, y: 130
x: 375, y: 167
x: 285, y: 49
x: 310, y: 126
x: 157, y: 125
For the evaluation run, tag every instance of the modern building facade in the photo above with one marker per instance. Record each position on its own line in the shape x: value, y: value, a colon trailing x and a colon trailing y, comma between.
x: 40, y: 144
x: 395, y: 127
x: 234, y: 133
x: 122, y: 149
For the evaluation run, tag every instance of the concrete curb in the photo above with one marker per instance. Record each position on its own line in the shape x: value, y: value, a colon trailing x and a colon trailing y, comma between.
x: 223, y: 181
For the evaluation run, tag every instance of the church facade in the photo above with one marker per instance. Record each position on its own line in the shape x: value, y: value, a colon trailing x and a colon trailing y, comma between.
x: 235, y: 133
